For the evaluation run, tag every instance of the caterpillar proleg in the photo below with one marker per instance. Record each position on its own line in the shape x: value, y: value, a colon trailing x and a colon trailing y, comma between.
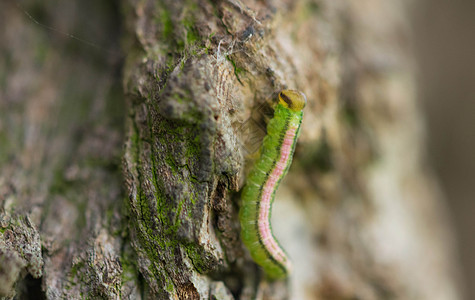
x: 258, y: 194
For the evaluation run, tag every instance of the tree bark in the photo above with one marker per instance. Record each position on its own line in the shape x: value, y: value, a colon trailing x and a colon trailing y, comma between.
x: 62, y: 219
x: 359, y: 211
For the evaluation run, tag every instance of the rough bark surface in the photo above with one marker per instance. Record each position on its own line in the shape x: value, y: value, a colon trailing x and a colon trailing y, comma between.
x: 63, y: 230
x: 359, y: 212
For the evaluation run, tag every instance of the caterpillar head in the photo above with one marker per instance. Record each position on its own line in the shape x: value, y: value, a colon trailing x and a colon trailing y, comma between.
x: 292, y: 99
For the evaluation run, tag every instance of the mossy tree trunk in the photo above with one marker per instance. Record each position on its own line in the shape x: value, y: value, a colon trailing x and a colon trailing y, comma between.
x: 359, y: 212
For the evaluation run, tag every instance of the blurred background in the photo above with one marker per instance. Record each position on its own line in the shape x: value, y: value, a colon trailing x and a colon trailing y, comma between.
x: 444, y: 39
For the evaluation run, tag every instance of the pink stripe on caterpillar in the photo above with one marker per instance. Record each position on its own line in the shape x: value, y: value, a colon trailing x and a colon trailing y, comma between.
x: 264, y: 208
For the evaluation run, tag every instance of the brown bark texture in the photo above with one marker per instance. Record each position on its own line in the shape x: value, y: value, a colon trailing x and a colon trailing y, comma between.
x: 189, y: 94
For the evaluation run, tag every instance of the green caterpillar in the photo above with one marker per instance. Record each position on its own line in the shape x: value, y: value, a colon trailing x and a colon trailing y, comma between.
x: 258, y: 195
